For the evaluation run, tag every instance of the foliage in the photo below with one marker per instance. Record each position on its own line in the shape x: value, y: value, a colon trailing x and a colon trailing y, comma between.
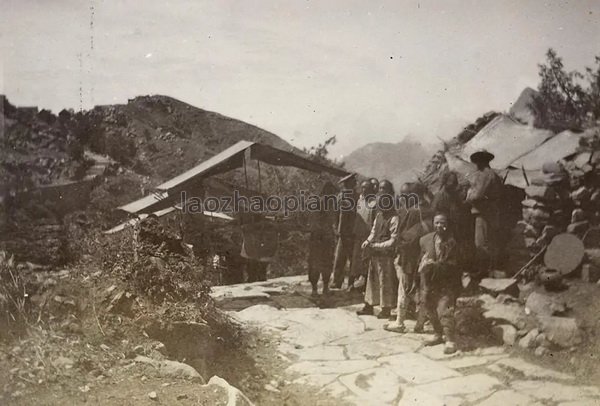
x: 153, y: 270
x: 13, y: 298
x: 321, y: 152
x: 566, y: 99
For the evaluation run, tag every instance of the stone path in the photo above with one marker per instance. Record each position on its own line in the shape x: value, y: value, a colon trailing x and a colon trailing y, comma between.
x: 353, y: 359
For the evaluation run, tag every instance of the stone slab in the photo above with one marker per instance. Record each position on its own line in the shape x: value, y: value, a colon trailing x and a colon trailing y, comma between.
x: 581, y: 402
x: 381, y: 348
x: 319, y: 353
x: 373, y: 323
x: 495, y: 350
x: 312, y: 326
x: 511, y: 313
x: 436, y: 352
x: 507, y: 397
x: 418, y: 369
x: 554, y: 391
x: 373, y: 386
x: 365, y: 337
x: 498, y: 285
x: 317, y: 380
x: 562, y: 331
x: 259, y: 314
x: 471, y: 361
x: 339, y: 391
x: 331, y: 367
x: 527, y: 369
x: 479, y: 384
x: 415, y: 397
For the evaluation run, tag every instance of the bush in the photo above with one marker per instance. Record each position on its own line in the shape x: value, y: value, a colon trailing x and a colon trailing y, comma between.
x: 154, y: 270
x: 13, y: 299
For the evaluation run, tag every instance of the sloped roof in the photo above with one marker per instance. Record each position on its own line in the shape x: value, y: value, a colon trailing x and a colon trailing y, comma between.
x: 233, y: 157
x: 507, y: 139
x: 161, y: 200
x: 553, y: 150
x: 166, y: 194
x: 160, y: 213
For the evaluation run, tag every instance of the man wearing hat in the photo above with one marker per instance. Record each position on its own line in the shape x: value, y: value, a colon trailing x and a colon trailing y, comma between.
x: 346, y: 217
x: 483, y: 194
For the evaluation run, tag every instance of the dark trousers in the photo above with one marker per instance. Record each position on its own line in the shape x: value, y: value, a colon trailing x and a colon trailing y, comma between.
x: 256, y: 270
x: 439, y: 303
x: 486, y: 241
x: 343, y: 254
x: 320, y: 259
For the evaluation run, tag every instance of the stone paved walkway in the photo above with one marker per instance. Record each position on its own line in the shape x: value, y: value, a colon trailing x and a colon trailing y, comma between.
x: 353, y: 359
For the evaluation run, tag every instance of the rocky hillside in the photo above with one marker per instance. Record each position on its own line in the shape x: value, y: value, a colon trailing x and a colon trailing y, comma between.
x: 396, y: 162
x: 141, y: 144
x: 156, y: 136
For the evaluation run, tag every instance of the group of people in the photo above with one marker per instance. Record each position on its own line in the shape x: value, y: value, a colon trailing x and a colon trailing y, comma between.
x: 411, y: 255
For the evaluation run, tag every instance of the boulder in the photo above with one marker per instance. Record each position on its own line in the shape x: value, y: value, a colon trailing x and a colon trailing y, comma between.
x: 122, y: 303
x: 541, y: 341
x: 234, y: 395
x: 525, y: 290
x: 590, y: 273
x: 528, y: 341
x: 593, y: 256
x: 564, y: 253
x: 577, y: 215
x: 505, y: 332
x: 543, y: 193
x: 544, y: 305
x: 497, y: 286
x: 63, y: 363
x: 561, y: 331
x: 548, y: 233
x: 578, y: 228
x: 531, y: 203
x: 580, y: 195
x: 592, y: 237
x: 172, y: 369
x: 507, y: 313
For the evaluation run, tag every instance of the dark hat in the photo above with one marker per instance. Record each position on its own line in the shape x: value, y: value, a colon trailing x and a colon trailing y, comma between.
x: 347, y: 178
x: 482, y: 156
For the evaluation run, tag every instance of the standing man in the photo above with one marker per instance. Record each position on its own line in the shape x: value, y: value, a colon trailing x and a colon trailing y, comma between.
x: 381, y: 244
x: 415, y: 222
x: 449, y: 200
x: 346, y: 217
x: 365, y: 215
x: 321, y: 243
x: 483, y: 195
x: 440, y: 282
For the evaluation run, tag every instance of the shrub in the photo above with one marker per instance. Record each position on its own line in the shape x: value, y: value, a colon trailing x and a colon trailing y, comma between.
x: 13, y: 296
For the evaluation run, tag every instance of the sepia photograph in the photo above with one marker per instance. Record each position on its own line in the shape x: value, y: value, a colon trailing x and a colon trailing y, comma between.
x: 300, y: 202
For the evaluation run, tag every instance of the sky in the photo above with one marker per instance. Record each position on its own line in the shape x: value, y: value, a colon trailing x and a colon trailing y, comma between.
x: 364, y: 71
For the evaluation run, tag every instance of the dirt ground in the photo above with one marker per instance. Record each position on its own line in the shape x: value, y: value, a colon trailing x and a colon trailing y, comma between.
x: 102, y: 348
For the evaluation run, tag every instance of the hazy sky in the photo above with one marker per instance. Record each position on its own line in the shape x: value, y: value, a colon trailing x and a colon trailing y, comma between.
x: 362, y: 70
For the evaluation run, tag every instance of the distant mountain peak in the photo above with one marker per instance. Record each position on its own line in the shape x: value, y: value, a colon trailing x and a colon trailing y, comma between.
x: 397, y: 161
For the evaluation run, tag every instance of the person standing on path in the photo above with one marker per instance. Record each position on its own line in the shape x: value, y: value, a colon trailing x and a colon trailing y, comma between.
x: 414, y: 223
x: 483, y: 195
x: 440, y: 282
x: 448, y: 200
x: 381, y: 244
x: 321, y: 244
x: 346, y: 216
x: 365, y: 215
